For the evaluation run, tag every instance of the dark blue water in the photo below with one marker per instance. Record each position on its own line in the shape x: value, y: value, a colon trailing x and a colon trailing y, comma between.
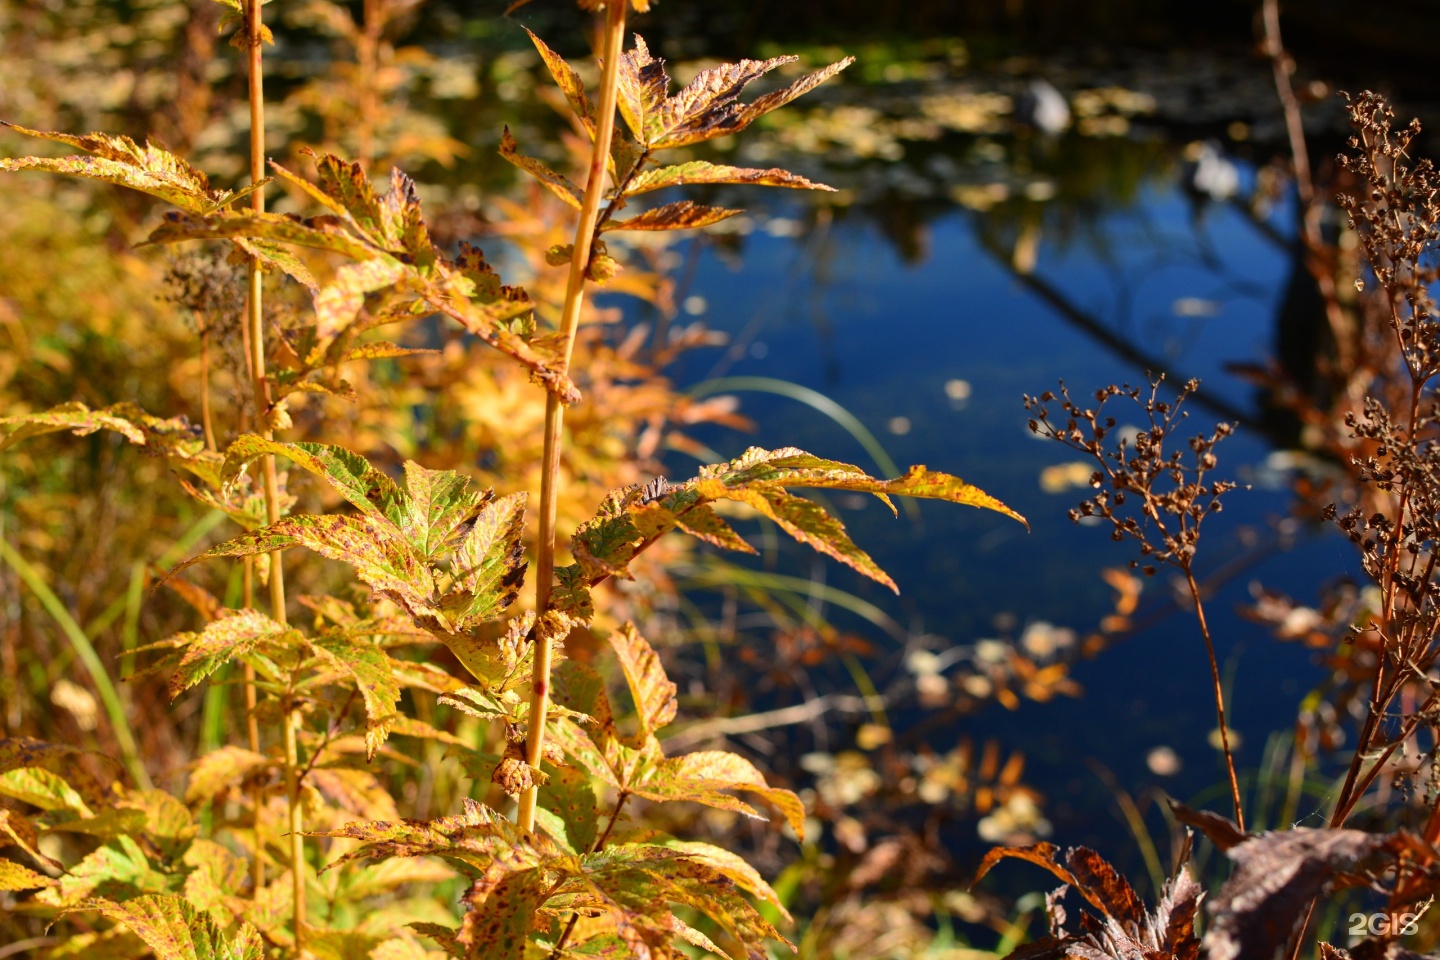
x: 836, y: 309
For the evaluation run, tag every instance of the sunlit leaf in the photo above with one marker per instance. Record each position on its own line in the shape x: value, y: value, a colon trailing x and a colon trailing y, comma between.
x: 120, y: 160
x: 568, y: 81
x: 15, y: 877
x: 556, y: 183
x: 652, y: 691
x: 705, y: 776
x: 370, y: 669
x: 571, y: 797
x: 703, y: 171
x: 680, y: 215
x: 380, y: 558
x: 234, y: 634
x: 220, y: 770
x: 274, y: 227
x: 176, y: 930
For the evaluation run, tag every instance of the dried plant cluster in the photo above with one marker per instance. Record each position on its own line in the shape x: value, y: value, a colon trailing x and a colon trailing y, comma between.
x: 285, y: 835
x: 1382, y: 814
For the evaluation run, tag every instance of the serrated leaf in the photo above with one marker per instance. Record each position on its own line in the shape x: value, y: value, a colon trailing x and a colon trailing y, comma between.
x: 712, y: 109
x: 556, y: 183
x: 568, y: 81
x: 274, y: 227
x: 488, y: 566
x: 119, y: 869
x: 271, y: 256
x: 365, y: 487
x: 498, y: 925
x: 704, y: 776
x: 475, y: 838
x: 15, y: 877
x: 441, y: 503
x: 43, y: 789
x: 703, y: 171
x: 175, y: 930
x: 174, y: 436
x: 732, y: 865
x: 216, y: 875
x: 220, y: 770
x: 571, y: 797
x: 120, y: 160
x: 702, y: 522
x: 650, y: 688
x: 234, y: 634
x: 382, y: 559
x: 681, y: 215
x: 371, y: 669
x: 338, y: 303
x: 381, y: 350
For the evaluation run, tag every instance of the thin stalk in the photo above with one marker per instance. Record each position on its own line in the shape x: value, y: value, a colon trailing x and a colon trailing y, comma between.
x: 252, y: 731
x: 261, y: 390
x: 554, y: 411
x: 205, y: 421
x: 1219, y: 697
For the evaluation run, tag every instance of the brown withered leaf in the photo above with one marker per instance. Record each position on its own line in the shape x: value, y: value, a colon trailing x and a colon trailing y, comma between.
x: 1124, y: 929
x: 680, y: 215
x: 708, y: 106
x: 1277, y: 875
x: 1222, y: 831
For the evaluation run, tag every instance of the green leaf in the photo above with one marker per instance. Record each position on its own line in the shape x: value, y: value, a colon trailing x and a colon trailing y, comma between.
x: 498, y: 922
x: 681, y: 215
x: 175, y: 930
x: 488, y: 566
x: 371, y: 670
x: 652, y: 691
x: 366, y: 488
x: 15, y: 877
x: 477, y: 839
x: 233, y: 635
x: 118, y: 870
x: 704, y: 776
x: 702, y: 171
x: 571, y: 797
x: 43, y: 789
x: 380, y: 558
x: 556, y: 183
x: 120, y: 160
x: 441, y: 502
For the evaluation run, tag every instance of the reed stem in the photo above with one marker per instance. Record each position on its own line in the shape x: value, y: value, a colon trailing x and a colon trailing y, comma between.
x: 554, y: 410
x: 262, y: 398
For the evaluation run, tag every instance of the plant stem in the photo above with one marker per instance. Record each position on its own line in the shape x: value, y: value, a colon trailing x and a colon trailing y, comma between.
x: 554, y: 411
x: 595, y: 847
x: 255, y: 322
x: 1219, y: 697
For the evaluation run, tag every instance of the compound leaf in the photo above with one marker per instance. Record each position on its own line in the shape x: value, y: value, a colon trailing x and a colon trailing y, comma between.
x: 176, y: 930
x: 680, y: 215
x: 703, y: 171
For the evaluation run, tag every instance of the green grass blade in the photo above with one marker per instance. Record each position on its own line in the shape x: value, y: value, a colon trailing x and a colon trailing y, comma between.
x: 85, y: 652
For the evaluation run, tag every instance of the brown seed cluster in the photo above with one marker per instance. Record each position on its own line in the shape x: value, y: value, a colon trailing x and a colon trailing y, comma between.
x: 1155, y: 495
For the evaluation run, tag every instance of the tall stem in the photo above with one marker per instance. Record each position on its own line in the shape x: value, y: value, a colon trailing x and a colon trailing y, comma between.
x: 554, y: 411
x: 261, y: 390
x: 1219, y: 698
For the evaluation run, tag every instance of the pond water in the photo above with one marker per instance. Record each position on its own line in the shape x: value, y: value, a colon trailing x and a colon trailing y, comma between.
x: 990, y: 266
